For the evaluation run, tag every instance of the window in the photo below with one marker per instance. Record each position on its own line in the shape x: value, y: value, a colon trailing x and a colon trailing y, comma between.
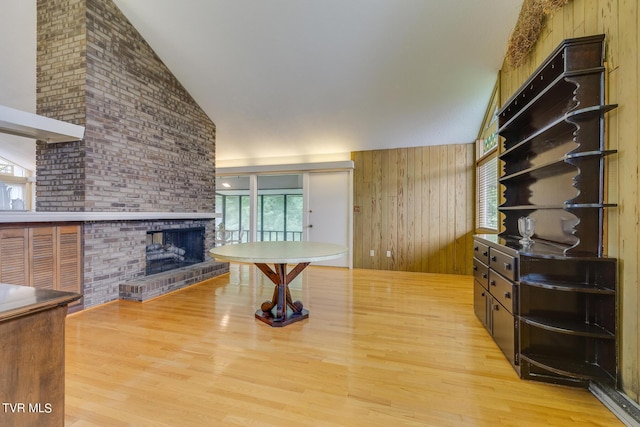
x: 487, y: 179
x: 279, y: 207
x: 14, y: 187
x: 487, y: 216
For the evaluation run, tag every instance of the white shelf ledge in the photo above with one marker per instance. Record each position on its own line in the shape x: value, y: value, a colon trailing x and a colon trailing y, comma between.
x: 21, y: 216
x: 29, y: 125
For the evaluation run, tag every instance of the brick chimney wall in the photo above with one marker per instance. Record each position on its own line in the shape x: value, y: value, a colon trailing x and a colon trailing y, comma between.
x: 148, y: 146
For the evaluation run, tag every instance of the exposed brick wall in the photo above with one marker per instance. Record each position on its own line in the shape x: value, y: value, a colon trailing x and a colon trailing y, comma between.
x: 148, y: 146
x: 61, y: 93
x: 115, y: 252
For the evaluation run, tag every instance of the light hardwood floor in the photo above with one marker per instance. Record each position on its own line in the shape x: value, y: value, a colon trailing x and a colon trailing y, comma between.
x: 380, y: 348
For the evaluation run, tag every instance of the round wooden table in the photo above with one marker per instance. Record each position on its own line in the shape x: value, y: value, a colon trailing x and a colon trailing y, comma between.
x: 281, y: 310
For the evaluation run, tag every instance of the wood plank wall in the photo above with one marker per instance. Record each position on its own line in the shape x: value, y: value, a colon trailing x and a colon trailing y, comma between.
x: 417, y: 203
x: 619, y: 21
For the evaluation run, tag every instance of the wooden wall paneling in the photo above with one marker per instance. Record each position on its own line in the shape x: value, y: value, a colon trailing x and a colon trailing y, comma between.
x: 609, y: 26
x: 378, y: 229
x: 425, y: 209
x: 462, y: 248
x: 591, y: 11
x: 416, y: 216
x: 382, y: 159
x: 413, y: 204
x: 434, y: 209
x: 471, y: 214
x: 568, y: 15
x: 452, y: 198
x: 578, y: 18
x: 626, y: 243
x: 392, y: 232
x: 444, y: 214
x: 628, y: 209
x: 43, y: 256
x: 360, y: 203
x: 14, y: 256
x: 401, y: 188
x: 367, y: 210
x: 410, y: 212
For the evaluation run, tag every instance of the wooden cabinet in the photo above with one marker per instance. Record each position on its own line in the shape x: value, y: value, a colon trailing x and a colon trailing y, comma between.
x: 568, y: 319
x: 495, y: 302
x: 555, y: 319
x: 42, y: 256
x: 561, y: 290
x: 32, y: 355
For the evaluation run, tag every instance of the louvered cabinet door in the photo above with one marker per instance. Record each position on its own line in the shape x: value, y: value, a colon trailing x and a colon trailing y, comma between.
x: 14, y: 256
x: 42, y: 250
x: 69, y: 265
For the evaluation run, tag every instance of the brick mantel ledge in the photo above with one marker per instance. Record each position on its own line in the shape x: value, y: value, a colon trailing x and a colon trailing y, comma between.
x: 22, y: 216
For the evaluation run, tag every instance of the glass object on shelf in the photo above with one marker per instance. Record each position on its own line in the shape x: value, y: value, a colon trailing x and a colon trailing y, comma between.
x: 526, y: 227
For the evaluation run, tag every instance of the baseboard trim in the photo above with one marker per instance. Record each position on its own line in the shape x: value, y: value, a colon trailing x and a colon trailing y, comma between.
x: 617, y: 402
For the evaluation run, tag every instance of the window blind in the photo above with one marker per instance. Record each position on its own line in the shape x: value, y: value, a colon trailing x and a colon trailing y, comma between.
x: 487, y: 180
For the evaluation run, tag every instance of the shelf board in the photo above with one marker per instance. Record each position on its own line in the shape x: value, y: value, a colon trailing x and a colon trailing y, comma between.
x: 555, y: 166
x: 546, y: 92
x: 29, y: 125
x: 556, y: 57
x: 532, y: 208
x: 569, y: 368
x: 569, y: 287
x: 568, y: 327
x: 556, y: 128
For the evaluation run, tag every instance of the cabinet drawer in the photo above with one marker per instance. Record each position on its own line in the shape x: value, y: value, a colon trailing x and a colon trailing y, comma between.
x: 481, y: 251
x: 481, y: 273
x: 503, y: 263
x: 503, y: 291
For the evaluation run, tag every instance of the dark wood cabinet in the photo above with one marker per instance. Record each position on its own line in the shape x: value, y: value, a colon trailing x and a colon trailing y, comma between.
x: 495, y: 296
x: 561, y: 290
x: 553, y: 149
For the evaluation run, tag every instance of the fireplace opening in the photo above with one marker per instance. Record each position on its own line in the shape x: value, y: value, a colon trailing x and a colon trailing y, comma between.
x: 175, y: 248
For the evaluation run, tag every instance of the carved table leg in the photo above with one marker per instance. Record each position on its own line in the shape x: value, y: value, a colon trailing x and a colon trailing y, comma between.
x: 286, y: 310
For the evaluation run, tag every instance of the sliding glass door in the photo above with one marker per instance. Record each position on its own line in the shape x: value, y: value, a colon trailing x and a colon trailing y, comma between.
x: 278, y: 207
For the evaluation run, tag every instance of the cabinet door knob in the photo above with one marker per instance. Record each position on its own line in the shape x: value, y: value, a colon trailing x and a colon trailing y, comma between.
x: 507, y: 295
x: 485, y: 253
x: 484, y: 275
x: 494, y: 259
x: 496, y: 307
x: 482, y: 294
x: 507, y: 266
x: 475, y: 268
x: 476, y: 248
x: 492, y: 283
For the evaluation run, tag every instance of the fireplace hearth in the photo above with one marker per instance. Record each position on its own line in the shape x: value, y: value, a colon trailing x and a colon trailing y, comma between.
x: 174, y: 248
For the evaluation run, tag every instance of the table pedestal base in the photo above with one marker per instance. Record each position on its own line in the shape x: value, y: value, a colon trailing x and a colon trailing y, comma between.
x: 281, y: 310
x: 291, y: 317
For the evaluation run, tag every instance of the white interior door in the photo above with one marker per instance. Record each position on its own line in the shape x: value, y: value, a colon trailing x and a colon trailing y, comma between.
x: 328, y: 217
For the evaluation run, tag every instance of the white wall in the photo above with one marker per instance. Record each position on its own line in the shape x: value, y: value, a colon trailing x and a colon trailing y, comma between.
x: 18, y: 73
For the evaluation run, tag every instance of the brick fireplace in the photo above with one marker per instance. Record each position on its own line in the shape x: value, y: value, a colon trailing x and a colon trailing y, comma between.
x: 148, y: 147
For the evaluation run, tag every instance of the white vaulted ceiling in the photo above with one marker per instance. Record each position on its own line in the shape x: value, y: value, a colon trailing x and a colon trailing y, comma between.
x: 313, y: 77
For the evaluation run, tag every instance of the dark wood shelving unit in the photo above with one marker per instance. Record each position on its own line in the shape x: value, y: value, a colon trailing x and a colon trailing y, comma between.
x: 559, y: 323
